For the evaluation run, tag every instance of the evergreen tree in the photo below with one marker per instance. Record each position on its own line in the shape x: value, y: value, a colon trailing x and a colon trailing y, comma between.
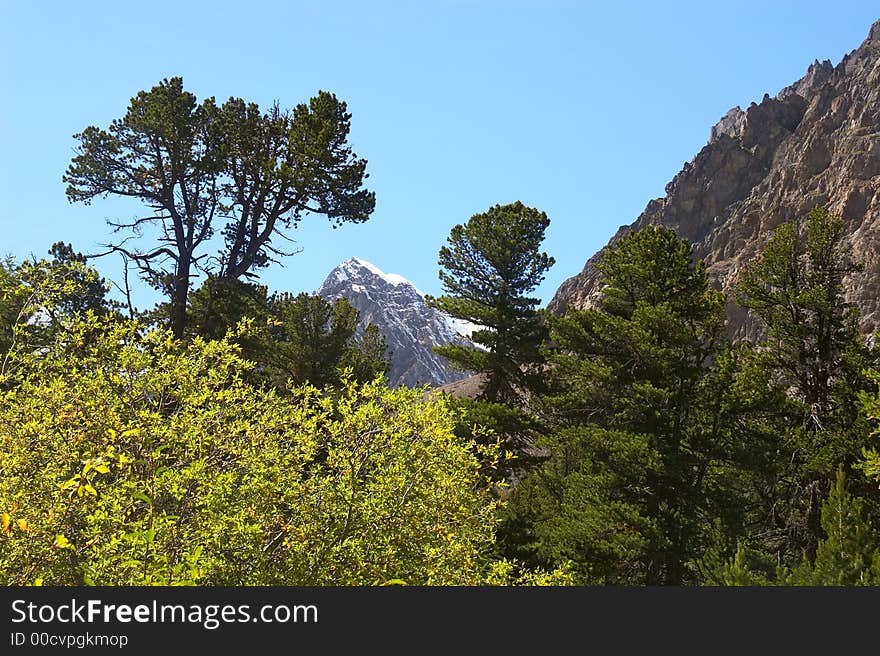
x: 849, y: 553
x: 491, y: 265
x: 303, y: 337
x: 40, y: 298
x: 870, y: 406
x: 511, y: 427
x: 489, y: 268
x: 638, y: 451
x: 306, y: 340
x: 796, y: 289
x: 367, y: 356
x: 232, y: 171
x: 90, y: 289
x: 807, y: 373
x: 218, y: 305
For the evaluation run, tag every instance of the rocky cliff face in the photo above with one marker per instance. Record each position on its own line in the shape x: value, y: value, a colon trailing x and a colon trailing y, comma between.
x: 410, y: 326
x: 816, y: 143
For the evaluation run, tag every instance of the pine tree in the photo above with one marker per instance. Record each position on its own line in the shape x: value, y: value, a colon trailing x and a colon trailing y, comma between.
x: 307, y: 339
x: 810, y: 363
x: 233, y: 172
x: 218, y: 305
x: 491, y: 265
x: 636, y: 445
x: 850, y: 552
x: 40, y: 298
x: 367, y: 356
x: 870, y: 407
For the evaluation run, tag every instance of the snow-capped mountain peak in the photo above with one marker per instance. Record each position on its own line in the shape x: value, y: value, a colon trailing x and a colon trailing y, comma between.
x: 410, y: 326
x: 354, y: 268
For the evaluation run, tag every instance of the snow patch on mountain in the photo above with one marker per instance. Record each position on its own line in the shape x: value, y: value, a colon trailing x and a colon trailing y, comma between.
x: 462, y: 326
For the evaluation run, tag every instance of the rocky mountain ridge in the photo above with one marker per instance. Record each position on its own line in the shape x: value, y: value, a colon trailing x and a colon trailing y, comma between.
x: 410, y: 326
x: 816, y: 143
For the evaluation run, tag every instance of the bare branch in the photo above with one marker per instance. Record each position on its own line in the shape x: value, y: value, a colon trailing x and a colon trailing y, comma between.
x: 136, y: 222
x: 137, y: 257
x: 127, y: 290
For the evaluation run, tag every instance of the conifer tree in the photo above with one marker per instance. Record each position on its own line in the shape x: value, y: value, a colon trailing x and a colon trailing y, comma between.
x: 307, y: 339
x: 368, y: 355
x: 810, y: 365
x: 635, y: 471
x: 848, y: 555
x: 217, y: 306
x: 491, y: 265
x: 232, y: 171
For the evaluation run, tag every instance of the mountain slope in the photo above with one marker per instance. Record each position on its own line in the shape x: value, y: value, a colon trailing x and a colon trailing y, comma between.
x: 410, y: 326
x: 817, y: 142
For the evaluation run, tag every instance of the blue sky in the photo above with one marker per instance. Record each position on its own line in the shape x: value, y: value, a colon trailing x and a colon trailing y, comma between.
x: 584, y: 110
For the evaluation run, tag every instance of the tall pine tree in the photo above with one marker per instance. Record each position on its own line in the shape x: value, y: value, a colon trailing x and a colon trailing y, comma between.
x: 489, y: 269
x: 636, y: 472
x: 491, y: 265
x: 811, y: 364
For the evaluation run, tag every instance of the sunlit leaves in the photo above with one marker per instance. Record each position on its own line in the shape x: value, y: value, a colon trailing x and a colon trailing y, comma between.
x: 143, y: 460
x: 61, y: 542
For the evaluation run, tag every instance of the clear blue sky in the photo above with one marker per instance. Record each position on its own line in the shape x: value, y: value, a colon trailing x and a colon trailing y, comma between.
x: 584, y: 110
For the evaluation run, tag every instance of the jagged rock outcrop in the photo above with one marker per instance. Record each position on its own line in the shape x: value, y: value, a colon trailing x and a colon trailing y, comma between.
x: 817, y: 74
x: 816, y: 143
x: 410, y: 326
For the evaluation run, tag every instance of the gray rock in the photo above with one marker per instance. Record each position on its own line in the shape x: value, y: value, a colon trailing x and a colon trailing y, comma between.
x: 410, y: 326
x: 731, y: 124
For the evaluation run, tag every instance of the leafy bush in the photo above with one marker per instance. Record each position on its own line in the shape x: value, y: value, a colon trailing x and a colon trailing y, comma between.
x: 137, y: 459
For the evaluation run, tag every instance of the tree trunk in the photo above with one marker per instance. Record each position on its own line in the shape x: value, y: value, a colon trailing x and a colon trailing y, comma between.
x: 179, y: 297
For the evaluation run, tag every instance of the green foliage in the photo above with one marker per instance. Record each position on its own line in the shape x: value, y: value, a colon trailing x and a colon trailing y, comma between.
x: 510, y: 427
x: 85, y: 290
x: 491, y: 265
x: 12, y: 301
x: 870, y: 404
x: 638, y: 452
x: 738, y: 572
x: 795, y: 288
x: 302, y: 338
x: 804, y: 379
x: 849, y: 554
x: 139, y: 459
x: 39, y: 298
x: 305, y: 340
x: 367, y: 356
x: 506, y: 572
x: 194, y: 164
x: 218, y: 305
